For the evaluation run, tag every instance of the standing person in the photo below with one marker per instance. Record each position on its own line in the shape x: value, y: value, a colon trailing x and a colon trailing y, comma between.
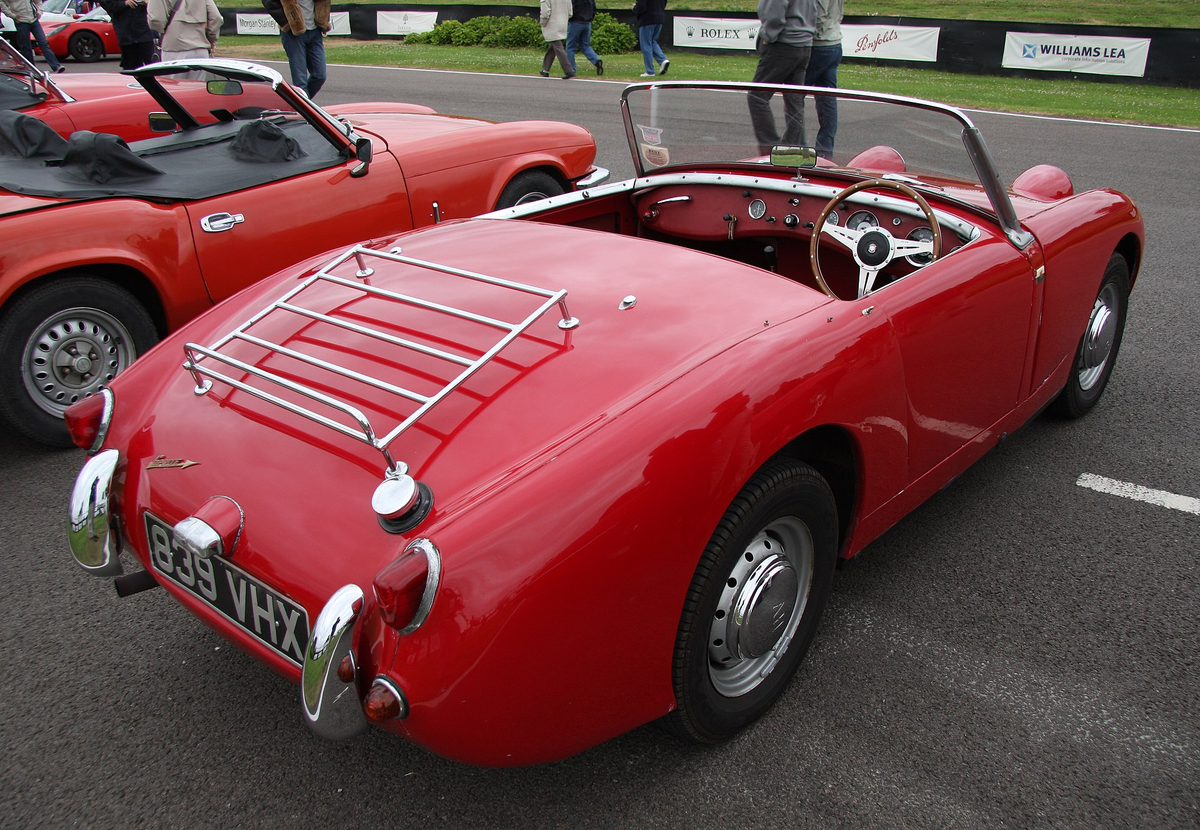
x: 133, y: 31
x: 822, y: 71
x: 579, y: 33
x: 302, y: 28
x: 189, y: 28
x: 25, y: 15
x: 651, y: 14
x: 785, y: 41
x: 554, y: 17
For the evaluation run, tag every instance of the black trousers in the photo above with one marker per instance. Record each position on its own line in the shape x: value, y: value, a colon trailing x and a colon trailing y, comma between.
x: 779, y: 63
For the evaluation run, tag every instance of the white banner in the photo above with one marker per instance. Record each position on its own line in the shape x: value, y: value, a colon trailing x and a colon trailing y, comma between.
x: 716, y: 32
x: 404, y: 23
x: 1076, y: 53
x: 264, y: 24
x: 886, y: 42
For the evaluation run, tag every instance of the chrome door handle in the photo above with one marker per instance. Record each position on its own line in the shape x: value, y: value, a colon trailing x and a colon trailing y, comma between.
x: 217, y: 222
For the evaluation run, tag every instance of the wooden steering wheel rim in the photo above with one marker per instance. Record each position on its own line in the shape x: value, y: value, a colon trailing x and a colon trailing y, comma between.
x: 815, y: 242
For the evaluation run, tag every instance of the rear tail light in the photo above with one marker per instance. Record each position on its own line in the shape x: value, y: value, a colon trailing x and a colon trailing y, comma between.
x: 385, y: 701
x: 88, y: 420
x: 406, y: 588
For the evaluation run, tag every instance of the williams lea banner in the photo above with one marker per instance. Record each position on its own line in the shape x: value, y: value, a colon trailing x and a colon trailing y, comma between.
x: 884, y: 42
x: 1076, y: 53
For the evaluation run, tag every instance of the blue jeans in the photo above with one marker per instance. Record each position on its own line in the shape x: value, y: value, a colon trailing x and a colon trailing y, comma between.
x: 24, y: 30
x: 306, y: 59
x: 651, y: 51
x: 822, y: 71
x: 579, y: 39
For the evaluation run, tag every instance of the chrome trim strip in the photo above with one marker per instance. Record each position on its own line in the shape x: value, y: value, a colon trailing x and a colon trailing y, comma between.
x: 332, y: 709
x: 434, y: 557
x: 105, y: 419
x: 91, y: 532
x: 598, y: 176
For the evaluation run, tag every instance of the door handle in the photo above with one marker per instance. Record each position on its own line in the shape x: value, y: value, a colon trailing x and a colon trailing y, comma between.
x: 217, y: 222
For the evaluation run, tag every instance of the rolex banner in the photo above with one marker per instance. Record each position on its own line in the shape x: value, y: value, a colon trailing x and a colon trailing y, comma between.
x: 1076, y: 53
x: 716, y: 32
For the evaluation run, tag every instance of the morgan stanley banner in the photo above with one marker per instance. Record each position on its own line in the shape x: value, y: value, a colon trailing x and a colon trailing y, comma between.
x: 263, y: 24
x: 1076, y: 53
x: 900, y: 43
x: 404, y: 23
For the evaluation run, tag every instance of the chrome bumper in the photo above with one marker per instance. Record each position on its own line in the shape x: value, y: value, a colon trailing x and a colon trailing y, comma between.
x: 91, y: 532
x: 600, y: 174
x: 332, y: 707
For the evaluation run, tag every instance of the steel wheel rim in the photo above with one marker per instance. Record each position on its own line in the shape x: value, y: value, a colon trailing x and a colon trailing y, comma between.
x: 782, y: 553
x: 72, y: 354
x: 1099, y: 339
x: 536, y: 196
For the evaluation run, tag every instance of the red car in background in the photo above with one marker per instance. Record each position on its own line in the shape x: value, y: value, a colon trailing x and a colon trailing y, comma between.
x: 109, y: 246
x: 513, y: 485
x: 87, y: 38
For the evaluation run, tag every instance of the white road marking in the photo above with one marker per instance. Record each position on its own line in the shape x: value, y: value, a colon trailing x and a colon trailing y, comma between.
x: 1136, y: 492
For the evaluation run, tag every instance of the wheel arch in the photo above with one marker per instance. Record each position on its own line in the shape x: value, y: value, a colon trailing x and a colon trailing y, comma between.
x: 830, y: 450
x: 125, y: 276
x: 1130, y: 249
x: 520, y: 166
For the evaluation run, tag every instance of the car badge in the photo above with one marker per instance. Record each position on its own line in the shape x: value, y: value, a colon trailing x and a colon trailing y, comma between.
x: 162, y: 463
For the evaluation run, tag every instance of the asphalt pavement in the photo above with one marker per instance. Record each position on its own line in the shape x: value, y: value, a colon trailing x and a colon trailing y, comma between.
x: 1020, y: 652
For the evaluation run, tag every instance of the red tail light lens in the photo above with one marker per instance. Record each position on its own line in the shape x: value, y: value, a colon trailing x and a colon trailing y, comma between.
x: 406, y: 588
x: 88, y: 419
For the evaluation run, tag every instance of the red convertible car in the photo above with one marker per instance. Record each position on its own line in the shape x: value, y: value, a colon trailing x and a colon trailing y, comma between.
x: 87, y: 38
x: 109, y: 246
x: 513, y: 485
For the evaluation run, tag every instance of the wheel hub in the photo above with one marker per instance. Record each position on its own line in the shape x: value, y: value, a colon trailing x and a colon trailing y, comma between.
x: 1097, y: 343
x: 73, y: 354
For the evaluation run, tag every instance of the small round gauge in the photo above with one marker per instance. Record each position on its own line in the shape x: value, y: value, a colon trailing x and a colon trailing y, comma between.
x: 922, y: 234
x: 833, y: 217
x: 758, y: 209
x: 862, y: 219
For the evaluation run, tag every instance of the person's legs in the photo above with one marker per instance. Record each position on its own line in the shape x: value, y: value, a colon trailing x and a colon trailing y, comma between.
x: 793, y: 105
x: 822, y: 71
x: 574, y: 35
x: 561, y: 51
x: 293, y: 47
x: 647, y: 40
x: 585, y: 44
x: 315, y: 52
x: 40, y: 36
x: 658, y: 52
x: 23, y: 44
x: 776, y: 65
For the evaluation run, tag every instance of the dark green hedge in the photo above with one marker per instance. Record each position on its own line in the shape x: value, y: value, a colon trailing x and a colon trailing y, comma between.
x: 608, y: 35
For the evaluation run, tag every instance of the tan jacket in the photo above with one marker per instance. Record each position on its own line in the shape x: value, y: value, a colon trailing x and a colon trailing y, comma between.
x: 196, y: 24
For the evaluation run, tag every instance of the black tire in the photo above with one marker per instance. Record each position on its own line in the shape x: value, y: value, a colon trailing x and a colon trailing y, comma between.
x: 529, y: 186
x: 1098, y: 347
x: 86, y: 47
x: 775, y: 548
x: 61, y: 341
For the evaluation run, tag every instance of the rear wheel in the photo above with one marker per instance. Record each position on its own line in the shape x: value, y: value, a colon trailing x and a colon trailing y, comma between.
x: 529, y: 186
x: 754, y: 602
x: 1097, y: 352
x: 60, y: 342
x: 86, y: 47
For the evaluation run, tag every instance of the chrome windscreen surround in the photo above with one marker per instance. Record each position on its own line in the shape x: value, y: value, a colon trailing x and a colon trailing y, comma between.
x: 332, y: 708
x: 91, y: 532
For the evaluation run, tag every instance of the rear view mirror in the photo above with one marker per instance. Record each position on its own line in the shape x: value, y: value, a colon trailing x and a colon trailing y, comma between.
x: 783, y: 155
x: 224, y: 86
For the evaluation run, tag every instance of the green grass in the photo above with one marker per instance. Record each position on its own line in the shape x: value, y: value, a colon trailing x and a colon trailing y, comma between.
x: 1135, y: 103
x: 1176, y: 14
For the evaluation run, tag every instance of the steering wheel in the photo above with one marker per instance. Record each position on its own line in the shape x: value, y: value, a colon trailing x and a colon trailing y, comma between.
x: 873, y: 248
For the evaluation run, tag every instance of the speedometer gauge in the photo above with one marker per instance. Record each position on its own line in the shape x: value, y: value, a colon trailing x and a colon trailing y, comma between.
x: 920, y: 235
x: 861, y: 220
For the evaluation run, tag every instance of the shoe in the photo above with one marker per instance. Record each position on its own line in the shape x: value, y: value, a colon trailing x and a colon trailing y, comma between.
x: 647, y: 75
x: 543, y: 73
x: 568, y: 77
x: 662, y: 67
x: 600, y: 67
x: 61, y: 69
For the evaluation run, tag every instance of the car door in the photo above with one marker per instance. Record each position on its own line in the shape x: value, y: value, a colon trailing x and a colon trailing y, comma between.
x: 244, y: 236
x: 962, y: 326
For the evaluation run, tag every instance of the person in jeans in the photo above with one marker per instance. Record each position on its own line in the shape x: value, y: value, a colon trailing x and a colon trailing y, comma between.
x: 651, y: 14
x: 579, y: 33
x: 785, y: 41
x: 822, y: 71
x: 25, y: 15
x: 302, y: 28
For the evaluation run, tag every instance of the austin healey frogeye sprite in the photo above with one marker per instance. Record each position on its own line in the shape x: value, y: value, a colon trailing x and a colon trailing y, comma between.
x: 513, y: 485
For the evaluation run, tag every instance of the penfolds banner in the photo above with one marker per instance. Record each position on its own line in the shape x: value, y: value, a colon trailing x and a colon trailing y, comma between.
x: 886, y: 42
x: 1076, y: 53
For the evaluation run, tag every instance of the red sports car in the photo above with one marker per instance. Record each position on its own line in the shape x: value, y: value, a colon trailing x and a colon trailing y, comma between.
x: 87, y: 38
x: 147, y: 235
x: 510, y: 486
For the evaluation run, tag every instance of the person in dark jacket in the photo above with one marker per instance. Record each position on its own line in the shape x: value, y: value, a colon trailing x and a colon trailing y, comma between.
x: 651, y: 14
x: 579, y: 33
x: 133, y: 31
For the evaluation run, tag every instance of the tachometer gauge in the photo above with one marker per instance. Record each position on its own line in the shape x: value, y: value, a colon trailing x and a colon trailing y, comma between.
x: 920, y: 235
x: 862, y: 219
x: 833, y: 217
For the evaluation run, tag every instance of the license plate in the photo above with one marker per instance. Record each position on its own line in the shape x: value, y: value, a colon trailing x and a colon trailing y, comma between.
x: 262, y: 612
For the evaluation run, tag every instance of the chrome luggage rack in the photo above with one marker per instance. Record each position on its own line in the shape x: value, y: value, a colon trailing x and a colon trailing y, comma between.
x: 199, y: 360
